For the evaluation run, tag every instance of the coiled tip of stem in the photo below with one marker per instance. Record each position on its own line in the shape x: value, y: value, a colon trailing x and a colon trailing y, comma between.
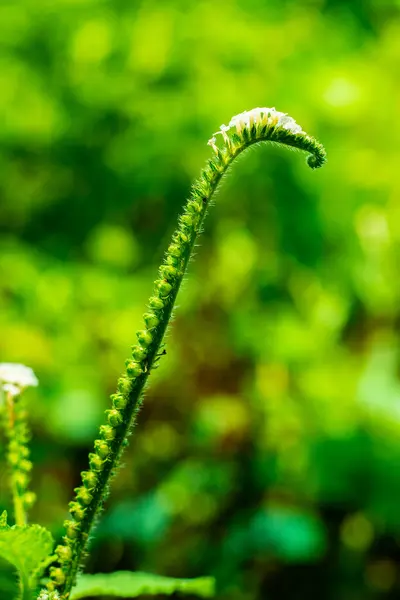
x: 315, y: 161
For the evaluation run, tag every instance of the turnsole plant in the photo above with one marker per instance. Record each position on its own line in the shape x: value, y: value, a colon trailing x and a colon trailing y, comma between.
x: 14, y: 379
x: 244, y: 130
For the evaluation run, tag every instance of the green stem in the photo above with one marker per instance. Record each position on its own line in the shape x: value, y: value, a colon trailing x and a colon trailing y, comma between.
x: 125, y: 403
x: 25, y: 589
x: 19, y: 509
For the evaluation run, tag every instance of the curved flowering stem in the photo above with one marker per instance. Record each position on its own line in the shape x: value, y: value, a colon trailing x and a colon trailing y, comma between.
x: 258, y: 125
x: 17, y: 457
x: 14, y: 379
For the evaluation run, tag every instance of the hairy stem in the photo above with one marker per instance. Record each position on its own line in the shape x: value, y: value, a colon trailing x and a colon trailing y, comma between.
x: 126, y: 402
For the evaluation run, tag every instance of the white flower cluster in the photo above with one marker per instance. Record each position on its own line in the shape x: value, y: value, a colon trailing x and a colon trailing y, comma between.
x: 14, y: 378
x: 259, y: 117
x: 45, y: 595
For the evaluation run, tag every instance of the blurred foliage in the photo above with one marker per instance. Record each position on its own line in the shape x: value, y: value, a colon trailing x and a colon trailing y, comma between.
x: 126, y: 584
x: 268, y: 448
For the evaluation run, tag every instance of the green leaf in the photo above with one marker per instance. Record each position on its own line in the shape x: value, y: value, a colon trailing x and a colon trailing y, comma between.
x: 127, y: 584
x: 25, y: 547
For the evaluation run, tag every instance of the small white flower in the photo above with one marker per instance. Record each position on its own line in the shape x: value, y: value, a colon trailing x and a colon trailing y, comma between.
x: 222, y: 130
x: 240, y: 121
x: 17, y: 375
x: 45, y: 595
x: 288, y: 123
x: 259, y: 117
x: 11, y: 389
x: 211, y: 142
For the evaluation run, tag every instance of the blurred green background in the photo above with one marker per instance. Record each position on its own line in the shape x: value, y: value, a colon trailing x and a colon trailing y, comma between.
x: 268, y: 449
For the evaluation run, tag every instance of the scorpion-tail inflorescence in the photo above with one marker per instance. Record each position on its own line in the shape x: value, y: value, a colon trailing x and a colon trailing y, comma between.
x: 14, y: 379
x: 244, y: 130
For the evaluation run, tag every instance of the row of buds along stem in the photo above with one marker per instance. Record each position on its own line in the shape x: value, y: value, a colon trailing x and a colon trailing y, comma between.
x: 18, y: 457
x: 125, y: 402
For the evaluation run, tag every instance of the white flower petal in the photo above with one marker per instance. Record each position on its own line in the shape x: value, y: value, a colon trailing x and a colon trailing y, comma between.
x: 288, y: 123
x: 18, y: 375
x: 11, y: 389
x: 260, y: 116
x: 45, y: 595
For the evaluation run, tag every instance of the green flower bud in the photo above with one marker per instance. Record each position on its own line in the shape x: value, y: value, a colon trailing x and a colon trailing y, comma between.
x: 133, y: 368
x: 57, y: 575
x: 84, y: 496
x: 114, y: 417
x: 175, y: 250
x: 71, y: 528
x: 89, y: 478
x: 187, y: 220
x: 24, y: 451
x: 164, y: 288
x: 119, y: 401
x: 95, y: 462
x: 194, y: 207
x: 13, y: 446
x: 139, y: 353
x: 13, y: 458
x: 102, y: 449
x: 107, y: 433
x: 124, y: 385
x: 183, y: 237
x: 64, y: 553
x: 172, y: 260
x: 156, y: 303
x: 21, y: 480
x: 151, y: 320
x: 76, y: 511
x: 168, y: 272
x: 25, y: 465
x: 145, y: 338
